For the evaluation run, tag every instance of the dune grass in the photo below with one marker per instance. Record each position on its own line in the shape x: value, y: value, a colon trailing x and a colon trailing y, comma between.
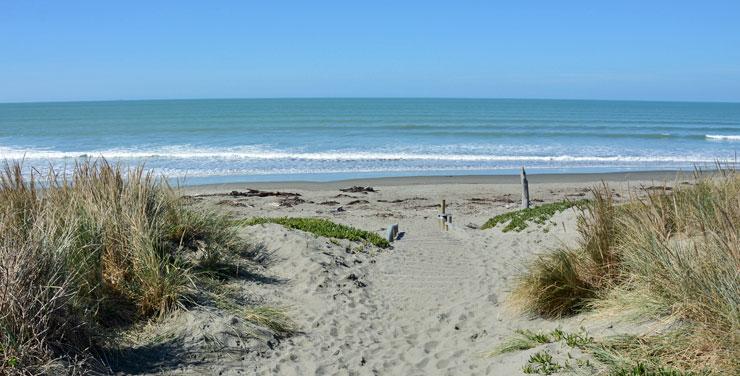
x: 272, y: 317
x: 526, y: 339
x: 672, y: 256
x: 541, y: 363
x: 96, y: 249
x: 322, y: 227
x: 518, y: 220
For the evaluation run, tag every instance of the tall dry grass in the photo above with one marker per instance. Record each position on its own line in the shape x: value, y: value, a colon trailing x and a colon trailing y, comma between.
x: 100, y: 247
x: 565, y: 281
x: 671, y: 255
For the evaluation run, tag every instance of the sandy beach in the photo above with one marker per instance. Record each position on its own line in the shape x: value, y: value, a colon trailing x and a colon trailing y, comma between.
x: 435, y: 303
x: 339, y: 188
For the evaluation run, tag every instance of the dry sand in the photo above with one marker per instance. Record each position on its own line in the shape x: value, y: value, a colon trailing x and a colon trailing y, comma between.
x: 433, y: 304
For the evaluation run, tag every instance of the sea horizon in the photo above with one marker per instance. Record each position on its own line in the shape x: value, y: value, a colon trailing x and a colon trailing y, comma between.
x: 157, y: 99
x: 202, y: 141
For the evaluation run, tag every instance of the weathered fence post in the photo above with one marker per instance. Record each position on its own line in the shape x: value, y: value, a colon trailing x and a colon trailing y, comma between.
x: 445, y: 219
x: 391, y: 233
x: 525, y: 190
x: 443, y: 216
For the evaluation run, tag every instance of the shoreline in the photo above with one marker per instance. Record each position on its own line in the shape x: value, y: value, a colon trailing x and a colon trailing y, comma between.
x: 657, y: 176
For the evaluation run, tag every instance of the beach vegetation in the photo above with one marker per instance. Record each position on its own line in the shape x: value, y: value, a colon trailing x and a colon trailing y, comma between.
x: 666, y: 255
x: 519, y: 220
x: 322, y: 227
x: 525, y: 339
x: 99, y: 248
x: 274, y: 318
x: 541, y: 363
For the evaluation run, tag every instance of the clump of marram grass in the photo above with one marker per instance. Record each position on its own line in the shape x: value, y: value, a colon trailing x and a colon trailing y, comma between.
x: 98, y: 248
x: 565, y: 281
x: 669, y: 255
x: 322, y: 227
x: 271, y: 317
x: 554, y: 285
x: 518, y: 220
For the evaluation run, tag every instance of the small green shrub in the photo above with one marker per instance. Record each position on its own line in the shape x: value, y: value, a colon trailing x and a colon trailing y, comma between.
x: 322, y: 227
x: 527, y: 339
x: 541, y: 363
x: 642, y: 369
x: 518, y: 220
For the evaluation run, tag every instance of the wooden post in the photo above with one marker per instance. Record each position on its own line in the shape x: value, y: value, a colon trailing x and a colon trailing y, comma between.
x: 525, y: 190
x: 391, y: 233
x: 443, y: 219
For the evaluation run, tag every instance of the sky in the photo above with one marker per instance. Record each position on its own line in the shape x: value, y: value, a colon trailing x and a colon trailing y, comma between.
x: 106, y: 50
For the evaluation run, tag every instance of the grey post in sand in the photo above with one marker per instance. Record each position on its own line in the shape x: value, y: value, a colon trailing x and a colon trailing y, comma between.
x: 392, y: 232
x: 443, y: 216
x: 525, y: 190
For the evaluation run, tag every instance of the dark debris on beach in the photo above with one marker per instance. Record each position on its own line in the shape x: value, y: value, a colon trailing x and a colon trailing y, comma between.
x: 258, y: 193
x: 358, y: 189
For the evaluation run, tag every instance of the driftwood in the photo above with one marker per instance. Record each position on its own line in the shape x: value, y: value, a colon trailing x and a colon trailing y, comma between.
x: 258, y: 193
x: 355, y: 202
x: 658, y: 188
x: 329, y: 203
x: 400, y: 200
x: 392, y: 201
x: 291, y: 201
x: 358, y: 189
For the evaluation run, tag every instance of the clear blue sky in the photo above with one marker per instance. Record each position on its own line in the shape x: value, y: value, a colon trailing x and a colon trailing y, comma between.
x: 93, y: 50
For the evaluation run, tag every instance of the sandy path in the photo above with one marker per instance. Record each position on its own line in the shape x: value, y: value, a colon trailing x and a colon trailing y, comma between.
x: 431, y: 307
x: 427, y: 307
x: 427, y: 286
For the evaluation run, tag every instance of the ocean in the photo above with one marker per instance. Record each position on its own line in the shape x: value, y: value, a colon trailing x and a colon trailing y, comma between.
x: 212, y: 141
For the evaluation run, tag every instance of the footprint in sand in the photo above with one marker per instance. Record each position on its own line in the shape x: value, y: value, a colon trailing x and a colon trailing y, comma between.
x: 429, y: 346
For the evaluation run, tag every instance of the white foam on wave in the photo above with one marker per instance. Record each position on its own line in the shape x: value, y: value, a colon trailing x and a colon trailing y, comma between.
x: 248, y: 153
x: 172, y: 172
x: 729, y: 137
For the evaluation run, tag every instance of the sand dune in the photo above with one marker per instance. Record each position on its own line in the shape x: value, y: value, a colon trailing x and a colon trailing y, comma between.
x: 433, y: 304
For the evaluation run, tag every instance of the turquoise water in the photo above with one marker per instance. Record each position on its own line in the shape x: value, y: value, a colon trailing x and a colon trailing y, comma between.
x: 204, y: 141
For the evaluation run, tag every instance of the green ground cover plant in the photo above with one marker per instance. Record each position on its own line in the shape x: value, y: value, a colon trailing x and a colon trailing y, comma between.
x: 322, y: 227
x: 519, y: 220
